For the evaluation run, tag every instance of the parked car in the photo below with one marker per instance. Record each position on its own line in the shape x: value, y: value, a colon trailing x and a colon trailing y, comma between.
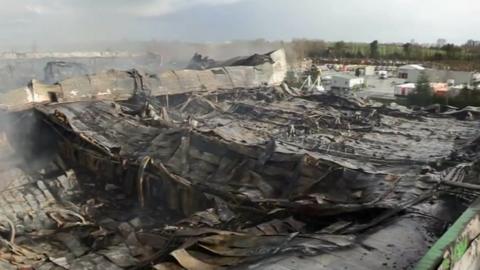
x: 383, y: 74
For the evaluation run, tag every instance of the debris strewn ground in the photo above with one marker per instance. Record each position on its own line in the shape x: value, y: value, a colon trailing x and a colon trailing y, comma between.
x: 261, y: 176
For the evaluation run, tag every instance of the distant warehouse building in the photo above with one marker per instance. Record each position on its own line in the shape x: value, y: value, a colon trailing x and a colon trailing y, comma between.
x: 458, y: 77
x: 410, y: 73
x: 346, y: 82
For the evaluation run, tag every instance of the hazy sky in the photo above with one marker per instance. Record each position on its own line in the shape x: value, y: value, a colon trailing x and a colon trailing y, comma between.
x: 48, y: 22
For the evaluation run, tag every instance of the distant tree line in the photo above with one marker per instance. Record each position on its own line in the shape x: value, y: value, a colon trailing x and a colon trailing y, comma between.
x: 444, y: 53
x: 470, y: 51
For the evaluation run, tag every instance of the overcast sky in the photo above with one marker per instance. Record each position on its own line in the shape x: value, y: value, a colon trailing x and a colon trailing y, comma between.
x: 47, y: 22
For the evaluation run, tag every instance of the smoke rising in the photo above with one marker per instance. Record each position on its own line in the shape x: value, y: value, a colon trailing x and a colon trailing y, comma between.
x: 25, y: 141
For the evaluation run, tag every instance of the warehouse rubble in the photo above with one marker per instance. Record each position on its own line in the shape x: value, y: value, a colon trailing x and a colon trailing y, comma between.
x: 199, y: 62
x: 225, y: 167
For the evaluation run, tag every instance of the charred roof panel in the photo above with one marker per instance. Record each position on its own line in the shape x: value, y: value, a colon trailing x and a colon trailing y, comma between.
x: 277, y: 173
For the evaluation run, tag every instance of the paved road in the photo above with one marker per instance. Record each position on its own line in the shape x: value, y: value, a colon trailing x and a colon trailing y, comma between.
x: 377, y: 88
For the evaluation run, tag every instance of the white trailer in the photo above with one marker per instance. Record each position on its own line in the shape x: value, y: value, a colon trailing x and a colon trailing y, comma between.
x: 346, y: 82
x: 403, y: 89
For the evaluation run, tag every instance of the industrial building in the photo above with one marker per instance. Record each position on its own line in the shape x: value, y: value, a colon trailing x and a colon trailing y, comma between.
x: 410, y: 73
x: 456, y: 77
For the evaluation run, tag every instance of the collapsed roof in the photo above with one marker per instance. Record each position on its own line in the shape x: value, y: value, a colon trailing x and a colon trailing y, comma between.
x: 227, y: 177
x: 200, y: 62
x: 118, y: 85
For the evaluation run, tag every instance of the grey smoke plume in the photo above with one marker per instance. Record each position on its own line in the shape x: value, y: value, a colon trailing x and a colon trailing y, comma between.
x: 25, y: 141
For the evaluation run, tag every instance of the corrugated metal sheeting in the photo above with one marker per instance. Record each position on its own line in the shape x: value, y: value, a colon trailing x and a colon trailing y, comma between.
x: 120, y: 85
x: 229, y: 77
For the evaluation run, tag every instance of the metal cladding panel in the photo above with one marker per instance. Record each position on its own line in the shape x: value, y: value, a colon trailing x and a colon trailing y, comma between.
x: 169, y: 84
x: 242, y: 76
x: 264, y: 73
x: 270, y: 73
x: 279, y: 67
x: 77, y: 88
x: 112, y: 84
x: 189, y: 80
x: 152, y: 83
x: 208, y: 80
x: 223, y: 78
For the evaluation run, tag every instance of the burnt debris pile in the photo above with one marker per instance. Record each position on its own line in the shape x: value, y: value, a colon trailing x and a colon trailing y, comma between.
x: 260, y: 176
